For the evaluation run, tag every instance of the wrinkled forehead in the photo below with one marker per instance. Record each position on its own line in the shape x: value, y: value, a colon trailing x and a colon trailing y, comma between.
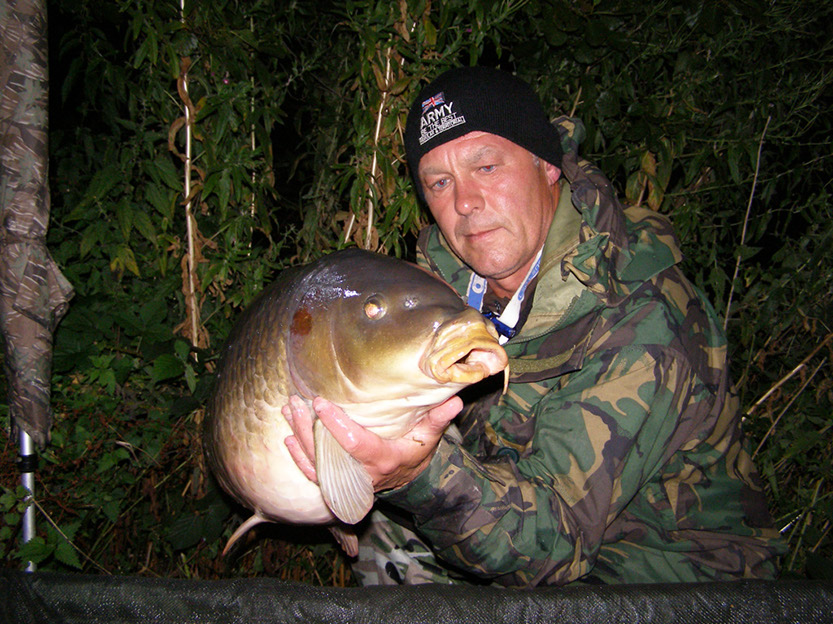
x: 470, y: 149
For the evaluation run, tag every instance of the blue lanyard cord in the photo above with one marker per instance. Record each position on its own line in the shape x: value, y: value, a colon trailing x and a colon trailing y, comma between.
x: 505, y: 322
x: 502, y: 328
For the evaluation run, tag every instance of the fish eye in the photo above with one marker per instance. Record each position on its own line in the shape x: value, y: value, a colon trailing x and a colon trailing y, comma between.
x: 374, y: 307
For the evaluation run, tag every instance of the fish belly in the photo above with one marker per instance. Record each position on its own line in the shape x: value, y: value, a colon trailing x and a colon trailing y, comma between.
x: 261, y: 472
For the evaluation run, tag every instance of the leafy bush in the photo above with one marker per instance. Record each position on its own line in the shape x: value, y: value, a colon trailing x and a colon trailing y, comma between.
x: 717, y: 114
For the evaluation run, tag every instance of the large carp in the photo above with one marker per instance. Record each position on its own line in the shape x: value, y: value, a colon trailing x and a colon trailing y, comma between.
x: 380, y: 337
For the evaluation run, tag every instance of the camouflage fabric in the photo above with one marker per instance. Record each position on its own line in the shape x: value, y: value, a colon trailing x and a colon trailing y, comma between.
x: 616, y: 455
x: 391, y: 554
x: 33, y: 292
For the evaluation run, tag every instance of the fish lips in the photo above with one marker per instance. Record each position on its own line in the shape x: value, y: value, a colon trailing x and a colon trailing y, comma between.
x: 465, y: 351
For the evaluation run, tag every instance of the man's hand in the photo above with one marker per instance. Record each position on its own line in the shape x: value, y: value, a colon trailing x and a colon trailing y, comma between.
x: 390, y: 463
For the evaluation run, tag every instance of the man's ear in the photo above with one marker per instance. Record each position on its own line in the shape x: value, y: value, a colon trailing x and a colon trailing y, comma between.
x: 553, y: 173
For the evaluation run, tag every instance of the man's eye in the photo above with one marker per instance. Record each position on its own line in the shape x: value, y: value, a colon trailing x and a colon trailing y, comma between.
x: 440, y: 184
x: 488, y: 168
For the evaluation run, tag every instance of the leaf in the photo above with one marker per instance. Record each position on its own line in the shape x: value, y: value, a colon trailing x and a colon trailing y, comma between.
x: 633, y: 188
x: 153, y: 312
x: 111, y: 459
x: 111, y: 510
x: 163, y: 172
x: 166, y: 366
x: 746, y: 252
x: 66, y: 554
x: 90, y: 238
x: 142, y: 222
x: 136, y: 25
x: 161, y: 198
x: 185, y: 531
x: 101, y: 184
x: 183, y: 350
x: 35, y: 550
x: 206, y: 522
x: 124, y: 215
x: 144, y: 49
x: 430, y: 31
x: 70, y: 77
x: 665, y: 163
x: 190, y: 378
x: 733, y: 159
x: 597, y: 33
x: 648, y: 163
x: 127, y: 259
x: 655, y: 194
x: 224, y: 190
x: 107, y: 379
x: 210, y: 184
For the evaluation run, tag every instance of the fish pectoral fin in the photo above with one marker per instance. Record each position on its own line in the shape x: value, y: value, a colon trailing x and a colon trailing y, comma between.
x: 453, y: 433
x: 346, y: 538
x: 344, y: 482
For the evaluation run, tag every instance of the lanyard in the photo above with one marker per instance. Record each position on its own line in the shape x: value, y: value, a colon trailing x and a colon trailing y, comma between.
x: 505, y: 323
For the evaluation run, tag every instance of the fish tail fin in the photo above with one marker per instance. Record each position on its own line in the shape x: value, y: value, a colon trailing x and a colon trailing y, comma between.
x: 242, y: 529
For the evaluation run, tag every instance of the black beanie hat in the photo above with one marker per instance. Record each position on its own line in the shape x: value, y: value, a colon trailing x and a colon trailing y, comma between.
x: 467, y: 99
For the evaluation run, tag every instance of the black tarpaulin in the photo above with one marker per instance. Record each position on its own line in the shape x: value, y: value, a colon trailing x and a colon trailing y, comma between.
x: 41, y: 598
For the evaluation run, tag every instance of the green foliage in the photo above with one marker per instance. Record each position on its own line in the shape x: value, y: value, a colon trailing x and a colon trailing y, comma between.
x: 297, y: 114
x: 383, y: 53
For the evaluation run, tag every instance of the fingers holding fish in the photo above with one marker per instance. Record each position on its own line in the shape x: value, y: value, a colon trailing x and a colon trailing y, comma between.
x: 349, y: 434
x: 391, y: 463
x: 439, y: 417
x: 301, y: 459
x: 300, y: 444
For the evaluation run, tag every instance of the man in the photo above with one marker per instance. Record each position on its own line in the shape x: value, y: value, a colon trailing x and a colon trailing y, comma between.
x: 616, y: 455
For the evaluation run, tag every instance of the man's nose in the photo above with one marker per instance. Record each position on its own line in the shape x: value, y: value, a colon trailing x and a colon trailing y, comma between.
x: 468, y: 198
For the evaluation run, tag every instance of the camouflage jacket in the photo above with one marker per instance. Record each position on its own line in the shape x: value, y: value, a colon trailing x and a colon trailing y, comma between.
x: 616, y: 455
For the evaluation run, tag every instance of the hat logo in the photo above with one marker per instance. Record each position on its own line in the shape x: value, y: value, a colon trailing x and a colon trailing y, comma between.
x: 433, y: 101
x: 437, y: 117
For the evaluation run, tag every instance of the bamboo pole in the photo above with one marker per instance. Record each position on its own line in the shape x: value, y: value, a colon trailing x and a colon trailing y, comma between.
x: 191, y: 295
x: 790, y: 375
x: 789, y: 404
x: 374, y: 165
x: 745, y: 224
x: 252, y: 128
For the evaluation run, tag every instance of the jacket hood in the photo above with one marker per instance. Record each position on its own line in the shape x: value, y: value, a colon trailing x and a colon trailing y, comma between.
x: 619, y: 248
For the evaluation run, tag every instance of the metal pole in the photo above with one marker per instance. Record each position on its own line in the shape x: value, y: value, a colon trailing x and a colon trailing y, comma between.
x: 27, y: 463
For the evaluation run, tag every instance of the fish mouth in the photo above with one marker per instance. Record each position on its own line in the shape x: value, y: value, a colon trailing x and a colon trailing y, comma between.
x: 465, y: 351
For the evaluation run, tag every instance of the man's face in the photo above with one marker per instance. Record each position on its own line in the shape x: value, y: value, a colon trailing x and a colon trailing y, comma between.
x: 494, y: 202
